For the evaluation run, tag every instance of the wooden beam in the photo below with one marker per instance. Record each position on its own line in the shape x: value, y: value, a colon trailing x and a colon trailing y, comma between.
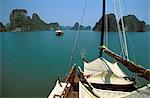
x: 141, y: 71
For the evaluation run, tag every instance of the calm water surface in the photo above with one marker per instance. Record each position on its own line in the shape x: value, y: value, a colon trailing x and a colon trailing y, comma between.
x: 31, y: 61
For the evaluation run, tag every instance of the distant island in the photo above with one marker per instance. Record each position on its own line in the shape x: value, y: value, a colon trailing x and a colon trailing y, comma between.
x: 19, y: 22
x: 2, y: 27
x: 75, y: 27
x: 132, y: 24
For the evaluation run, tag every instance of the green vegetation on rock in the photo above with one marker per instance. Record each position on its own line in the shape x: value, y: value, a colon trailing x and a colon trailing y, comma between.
x: 112, y: 23
x: 147, y: 28
x: 2, y: 27
x: 75, y: 27
x: 53, y: 26
x: 19, y: 21
x: 132, y: 24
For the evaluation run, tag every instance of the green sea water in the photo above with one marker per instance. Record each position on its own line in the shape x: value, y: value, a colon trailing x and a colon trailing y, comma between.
x: 32, y: 61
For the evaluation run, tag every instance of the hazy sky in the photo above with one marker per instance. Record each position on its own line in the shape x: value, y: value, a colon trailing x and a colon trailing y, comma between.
x: 67, y: 12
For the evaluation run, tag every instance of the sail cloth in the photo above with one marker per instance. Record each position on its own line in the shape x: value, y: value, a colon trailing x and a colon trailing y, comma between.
x: 94, y: 67
x: 100, y: 65
x: 107, y: 78
x: 84, y: 92
x: 101, y: 71
x: 145, y: 73
x: 143, y: 92
x: 109, y: 94
x: 58, y: 90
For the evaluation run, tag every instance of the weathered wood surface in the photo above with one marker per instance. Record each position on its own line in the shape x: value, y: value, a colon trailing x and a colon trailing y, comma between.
x: 145, y: 73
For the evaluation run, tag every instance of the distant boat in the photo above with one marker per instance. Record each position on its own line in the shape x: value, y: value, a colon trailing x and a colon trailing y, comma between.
x: 59, y: 32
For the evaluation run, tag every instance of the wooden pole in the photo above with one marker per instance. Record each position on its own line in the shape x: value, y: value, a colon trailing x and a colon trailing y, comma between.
x: 145, y: 73
x: 103, y: 25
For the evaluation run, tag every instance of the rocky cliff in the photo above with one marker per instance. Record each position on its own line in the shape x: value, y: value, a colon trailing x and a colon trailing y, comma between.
x: 19, y: 19
x: 37, y: 24
x: 54, y: 26
x: 2, y: 27
x: 132, y: 24
x: 147, y: 28
x: 75, y: 27
x: 112, y: 23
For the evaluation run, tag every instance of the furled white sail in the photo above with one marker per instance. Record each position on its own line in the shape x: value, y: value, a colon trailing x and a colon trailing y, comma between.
x: 143, y: 92
x: 103, y: 73
x: 114, y: 68
x: 100, y: 65
x: 108, y: 93
x: 94, y: 67
x: 107, y: 77
x: 84, y: 92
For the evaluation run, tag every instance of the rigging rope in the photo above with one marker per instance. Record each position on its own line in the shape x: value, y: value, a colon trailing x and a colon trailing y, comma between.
x: 128, y: 37
x: 132, y: 46
x: 77, y: 34
x: 118, y: 27
x: 124, y: 35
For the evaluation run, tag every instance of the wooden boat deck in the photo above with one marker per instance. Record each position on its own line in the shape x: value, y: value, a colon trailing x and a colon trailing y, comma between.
x: 73, y: 79
x: 73, y: 94
x: 72, y: 91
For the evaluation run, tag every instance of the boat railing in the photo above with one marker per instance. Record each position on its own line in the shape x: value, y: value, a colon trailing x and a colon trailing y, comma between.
x: 145, y: 73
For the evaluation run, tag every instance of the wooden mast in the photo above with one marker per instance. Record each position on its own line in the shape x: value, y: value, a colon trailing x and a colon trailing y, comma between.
x: 145, y: 73
x: 103, y: 25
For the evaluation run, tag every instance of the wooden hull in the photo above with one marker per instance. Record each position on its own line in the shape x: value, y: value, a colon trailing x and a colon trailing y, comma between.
x: 70, y: 91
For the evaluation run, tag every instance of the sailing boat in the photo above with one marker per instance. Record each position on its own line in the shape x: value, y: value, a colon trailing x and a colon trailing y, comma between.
x: 102, y: 78
x: 68, y: 88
